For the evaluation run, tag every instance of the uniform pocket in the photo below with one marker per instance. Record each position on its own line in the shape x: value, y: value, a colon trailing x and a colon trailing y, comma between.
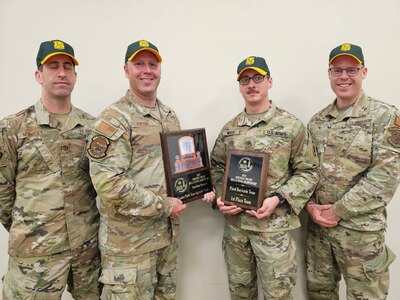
x: 375, y: 267
x: 119, y: 283
x: 47, y: 157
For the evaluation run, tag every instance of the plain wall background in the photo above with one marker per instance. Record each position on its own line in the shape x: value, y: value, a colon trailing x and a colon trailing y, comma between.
x: 201, y: 43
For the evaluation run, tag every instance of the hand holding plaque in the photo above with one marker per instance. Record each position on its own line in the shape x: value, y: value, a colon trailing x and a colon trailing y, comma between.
x: 186, y: 163
x: 245, y: 178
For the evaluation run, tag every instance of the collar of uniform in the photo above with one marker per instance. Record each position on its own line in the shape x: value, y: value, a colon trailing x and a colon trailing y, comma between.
x: 74, y: 119
x: 43, y: 116
x: 360, y: 107
x: 143, y: 110
x: 243, y: 119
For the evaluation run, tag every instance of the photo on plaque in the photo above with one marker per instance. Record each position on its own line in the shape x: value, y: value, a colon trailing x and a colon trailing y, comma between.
x: 186, y: 163
x: 245, y: 178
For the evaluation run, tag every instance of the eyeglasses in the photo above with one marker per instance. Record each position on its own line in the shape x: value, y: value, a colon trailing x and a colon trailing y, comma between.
x: 257, y: 78
x: 336, y: 72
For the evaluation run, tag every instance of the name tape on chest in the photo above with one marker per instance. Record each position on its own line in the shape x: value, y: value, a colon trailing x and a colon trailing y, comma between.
x: 230, y: 132
x: 277, y: 133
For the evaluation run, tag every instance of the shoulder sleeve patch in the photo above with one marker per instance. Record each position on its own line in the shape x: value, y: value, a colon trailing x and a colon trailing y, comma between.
x: 394, y: 138
x: 106, y: 128
x: 98, y: 146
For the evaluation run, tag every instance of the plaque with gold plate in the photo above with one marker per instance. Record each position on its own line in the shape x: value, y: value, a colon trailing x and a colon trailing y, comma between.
x: 186, y: 163
x: 245, y: 178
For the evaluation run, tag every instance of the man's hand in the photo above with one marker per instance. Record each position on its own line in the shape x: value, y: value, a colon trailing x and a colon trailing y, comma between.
x: 228, y: 209
x: 177, y: 208
x: 323, y: 215
x: 329, y: 214
x: 209, y: 197
x: 267, y: 208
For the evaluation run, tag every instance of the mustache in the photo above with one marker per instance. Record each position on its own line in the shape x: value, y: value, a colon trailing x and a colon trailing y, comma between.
x: 252, y: 90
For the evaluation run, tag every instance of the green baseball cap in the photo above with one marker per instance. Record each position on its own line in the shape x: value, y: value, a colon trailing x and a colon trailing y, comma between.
x: 253, y: 62
x: 347, y: 49
x: 50, y: 48
x: 141, y: 45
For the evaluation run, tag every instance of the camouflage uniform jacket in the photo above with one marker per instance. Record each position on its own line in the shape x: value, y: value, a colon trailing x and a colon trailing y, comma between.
x: 293, y: 166
x: 127, y: 170
x: 47, y: 201
x: 359, y: 153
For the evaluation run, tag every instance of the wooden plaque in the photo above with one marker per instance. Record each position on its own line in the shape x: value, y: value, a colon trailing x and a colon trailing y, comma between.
x: 186, y: 163
x: 245, y: 178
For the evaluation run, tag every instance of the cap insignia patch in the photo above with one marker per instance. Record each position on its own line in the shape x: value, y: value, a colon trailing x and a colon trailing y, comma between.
x: 59, y: 45
x: 143, y: 43
x: 250, y: 60
x: 345, y: 47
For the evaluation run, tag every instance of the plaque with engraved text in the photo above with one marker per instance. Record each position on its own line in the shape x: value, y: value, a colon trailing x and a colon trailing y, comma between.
x: 245, y: 178
x: 186, y: 164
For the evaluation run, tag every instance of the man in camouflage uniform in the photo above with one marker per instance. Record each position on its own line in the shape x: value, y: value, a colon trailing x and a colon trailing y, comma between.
x: 138, y: 223
x: 358, y: 144
x: 258, y: 241
x: 47, y: 201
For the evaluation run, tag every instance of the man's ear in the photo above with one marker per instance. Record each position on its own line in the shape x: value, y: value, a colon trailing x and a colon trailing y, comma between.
x: 38, y: 76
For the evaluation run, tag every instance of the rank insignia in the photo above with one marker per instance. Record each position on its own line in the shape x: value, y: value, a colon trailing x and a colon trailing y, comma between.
x: 98, y: 146
x: 394, y: 138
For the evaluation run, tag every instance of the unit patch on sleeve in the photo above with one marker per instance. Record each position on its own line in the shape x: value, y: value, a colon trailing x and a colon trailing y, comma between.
x: 394, y: 138
x: 98, y: 146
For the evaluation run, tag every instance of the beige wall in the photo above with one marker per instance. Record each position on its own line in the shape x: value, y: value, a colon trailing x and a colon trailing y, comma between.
x: 201, y: 43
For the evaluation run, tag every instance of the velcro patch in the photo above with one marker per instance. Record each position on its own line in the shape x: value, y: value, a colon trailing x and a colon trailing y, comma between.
x: 106, y: 128
x: 98, y: 146
x: 230, y: 132
x: 394, y: 138
x: 277, y: 133
x: 397, y: 121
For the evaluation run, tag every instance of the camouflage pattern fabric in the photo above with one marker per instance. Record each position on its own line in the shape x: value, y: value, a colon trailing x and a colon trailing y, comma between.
x: 361, y: 257
x: 251, y: 244
x: 359, y: 153
x: 47, y: 201
x: 292, y: 166
x: 147, y: 276
x: 270, y: 255
x: 46, y: 197
x: 127, y: 171
x: 45, y: 277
